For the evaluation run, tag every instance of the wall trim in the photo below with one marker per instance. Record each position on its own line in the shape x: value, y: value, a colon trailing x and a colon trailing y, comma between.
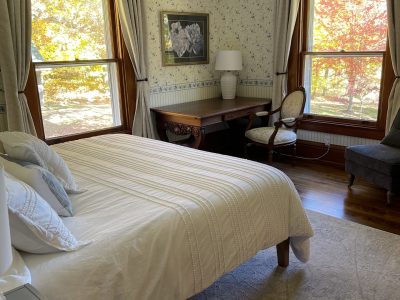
x: 183, y: 86
x: 206, y: 83
x: 256, y: 82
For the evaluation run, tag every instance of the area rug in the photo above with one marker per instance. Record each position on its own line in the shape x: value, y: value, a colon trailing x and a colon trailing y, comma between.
x: 348, y: 261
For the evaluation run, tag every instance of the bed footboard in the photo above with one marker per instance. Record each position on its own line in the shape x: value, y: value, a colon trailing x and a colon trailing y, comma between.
x: 282, y: 251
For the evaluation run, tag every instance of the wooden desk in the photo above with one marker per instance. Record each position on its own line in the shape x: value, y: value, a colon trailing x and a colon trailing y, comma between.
x: 193, y: 117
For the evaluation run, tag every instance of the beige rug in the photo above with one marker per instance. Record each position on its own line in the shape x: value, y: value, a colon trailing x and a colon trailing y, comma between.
x: 348, y: 261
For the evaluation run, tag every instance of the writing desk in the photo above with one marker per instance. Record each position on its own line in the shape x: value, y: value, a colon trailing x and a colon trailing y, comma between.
x: 192, y: 117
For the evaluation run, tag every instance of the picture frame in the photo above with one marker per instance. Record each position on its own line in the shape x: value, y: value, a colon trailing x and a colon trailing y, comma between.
x: 184, y: 38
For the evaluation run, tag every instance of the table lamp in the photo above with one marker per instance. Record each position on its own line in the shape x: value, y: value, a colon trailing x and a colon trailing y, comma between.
x: 228, y: 61
x: 6, y: 257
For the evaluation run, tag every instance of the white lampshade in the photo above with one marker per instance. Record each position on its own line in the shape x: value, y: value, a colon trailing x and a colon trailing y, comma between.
x: 6, y: 257
x: 228, y: 60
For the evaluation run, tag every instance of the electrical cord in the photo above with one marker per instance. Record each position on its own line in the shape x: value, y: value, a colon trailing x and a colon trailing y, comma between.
x: 309, y: 158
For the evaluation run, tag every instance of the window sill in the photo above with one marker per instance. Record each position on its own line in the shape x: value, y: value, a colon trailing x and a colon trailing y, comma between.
x: 72, y: 137
x: 363, y: 129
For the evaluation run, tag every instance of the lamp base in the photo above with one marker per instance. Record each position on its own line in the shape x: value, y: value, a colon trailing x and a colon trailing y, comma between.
x: 228, y: 85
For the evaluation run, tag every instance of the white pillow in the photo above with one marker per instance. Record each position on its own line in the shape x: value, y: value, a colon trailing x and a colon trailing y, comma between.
x: 26, y: 147
x: 44, y: 183
x: 35, y: 227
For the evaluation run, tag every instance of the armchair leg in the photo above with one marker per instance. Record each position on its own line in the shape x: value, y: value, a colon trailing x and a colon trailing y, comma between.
x: 351, y: 180
x: 270, y: 155
x: 246, y: 146
x: 389, y: 197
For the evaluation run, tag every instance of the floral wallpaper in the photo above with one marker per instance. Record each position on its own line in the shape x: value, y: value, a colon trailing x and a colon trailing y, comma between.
x: 234, y: 24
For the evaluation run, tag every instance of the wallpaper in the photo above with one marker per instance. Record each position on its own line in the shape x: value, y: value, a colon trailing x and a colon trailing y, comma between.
x: 234, y: 24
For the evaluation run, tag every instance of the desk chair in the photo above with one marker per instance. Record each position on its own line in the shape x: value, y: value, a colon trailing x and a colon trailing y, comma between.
x: 284, y: 131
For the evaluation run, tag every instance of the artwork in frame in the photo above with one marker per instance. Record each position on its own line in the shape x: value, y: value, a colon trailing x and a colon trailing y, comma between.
x: 184, y: 38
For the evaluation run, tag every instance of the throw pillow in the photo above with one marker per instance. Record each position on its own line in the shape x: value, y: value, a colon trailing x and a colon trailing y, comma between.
x: 26, y: 147
x: 35, y: 227
x: 44, y: 183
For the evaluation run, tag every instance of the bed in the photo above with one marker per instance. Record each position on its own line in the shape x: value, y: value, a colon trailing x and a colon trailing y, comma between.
x: 165, y: 221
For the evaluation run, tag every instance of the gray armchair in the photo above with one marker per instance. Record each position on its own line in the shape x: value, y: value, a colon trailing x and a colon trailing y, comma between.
x: 379, y: 164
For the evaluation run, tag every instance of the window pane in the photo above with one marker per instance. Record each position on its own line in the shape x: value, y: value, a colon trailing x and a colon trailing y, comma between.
x: 350, y: 25
x: 346, y: 87
x: 65, y: 30
x: 78, y: 99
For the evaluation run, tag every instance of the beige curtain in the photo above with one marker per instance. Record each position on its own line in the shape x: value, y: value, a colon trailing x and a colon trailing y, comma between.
x: 285, y: 20
x: 130, y: 13
x: 15, y: 57
x: 394, y: 44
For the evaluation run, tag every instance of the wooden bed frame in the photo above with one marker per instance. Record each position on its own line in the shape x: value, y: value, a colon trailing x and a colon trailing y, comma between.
x: 282, y: 251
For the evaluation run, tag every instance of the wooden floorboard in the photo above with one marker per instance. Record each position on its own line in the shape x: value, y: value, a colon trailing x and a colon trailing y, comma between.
x: 323, y: 188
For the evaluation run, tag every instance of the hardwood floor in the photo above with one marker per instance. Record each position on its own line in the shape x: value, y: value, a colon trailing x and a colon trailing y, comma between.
x: 323, y: 188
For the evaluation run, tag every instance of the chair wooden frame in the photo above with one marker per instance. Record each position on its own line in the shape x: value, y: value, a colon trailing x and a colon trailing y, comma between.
x: 293, y: 124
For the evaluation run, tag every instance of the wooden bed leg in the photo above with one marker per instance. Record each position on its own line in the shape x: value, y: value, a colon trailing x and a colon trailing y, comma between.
x: 282, y: 250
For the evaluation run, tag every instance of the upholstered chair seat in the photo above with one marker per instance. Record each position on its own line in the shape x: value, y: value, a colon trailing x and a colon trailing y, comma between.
x: 283, y: 133
x: 263, y: 134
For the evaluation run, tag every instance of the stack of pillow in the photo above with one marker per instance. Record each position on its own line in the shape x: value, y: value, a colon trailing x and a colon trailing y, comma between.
x: 37, y: 183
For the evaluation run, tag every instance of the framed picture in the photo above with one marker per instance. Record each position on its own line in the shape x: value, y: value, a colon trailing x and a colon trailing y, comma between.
x: 184, y: 38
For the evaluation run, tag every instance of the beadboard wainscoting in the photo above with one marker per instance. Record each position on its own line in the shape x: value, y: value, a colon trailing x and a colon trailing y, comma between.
x: 185, y: 92
x: 333, y: 139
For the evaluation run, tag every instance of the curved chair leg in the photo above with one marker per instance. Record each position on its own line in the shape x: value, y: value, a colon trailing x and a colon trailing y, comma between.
x: 351, y: 180
x: 246, y: 146
x: 293, y: 159
x: 270, y: 155
x: 389, y: 197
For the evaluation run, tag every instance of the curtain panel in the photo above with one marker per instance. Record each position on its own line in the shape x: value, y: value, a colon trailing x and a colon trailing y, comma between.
x: 15, y: 58
x: 131, y: 16
x: 285, y: 20
x: 393, y: 10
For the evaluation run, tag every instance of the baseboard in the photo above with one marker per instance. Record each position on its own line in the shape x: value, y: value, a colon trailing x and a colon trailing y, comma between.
x: 313, y: 149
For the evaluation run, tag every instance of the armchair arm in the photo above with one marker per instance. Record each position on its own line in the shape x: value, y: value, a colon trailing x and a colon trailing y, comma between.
x: 262, y: 113
x: 289, y: 122
x: 267, y: 113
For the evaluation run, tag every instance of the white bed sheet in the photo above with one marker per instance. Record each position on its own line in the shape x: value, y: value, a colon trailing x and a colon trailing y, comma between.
x: 165, y: 221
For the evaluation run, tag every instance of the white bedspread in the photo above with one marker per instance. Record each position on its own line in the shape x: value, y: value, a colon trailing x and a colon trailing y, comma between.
x: 166, y: 221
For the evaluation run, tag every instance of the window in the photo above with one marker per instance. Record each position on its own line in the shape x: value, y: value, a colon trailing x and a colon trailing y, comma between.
x: 75, y: 66
x: 342, y: 59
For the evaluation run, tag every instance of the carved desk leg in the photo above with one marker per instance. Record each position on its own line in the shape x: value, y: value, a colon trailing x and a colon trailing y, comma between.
x: 198, y: 135
x: 161, y: 130
x: 197, y: 132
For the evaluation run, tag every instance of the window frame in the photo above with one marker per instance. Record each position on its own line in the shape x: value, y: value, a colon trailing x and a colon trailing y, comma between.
x: 125, y: 78
x: 329, y: 124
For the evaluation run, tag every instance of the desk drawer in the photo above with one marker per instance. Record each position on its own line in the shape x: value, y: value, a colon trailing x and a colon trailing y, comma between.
x: 238, y: 114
